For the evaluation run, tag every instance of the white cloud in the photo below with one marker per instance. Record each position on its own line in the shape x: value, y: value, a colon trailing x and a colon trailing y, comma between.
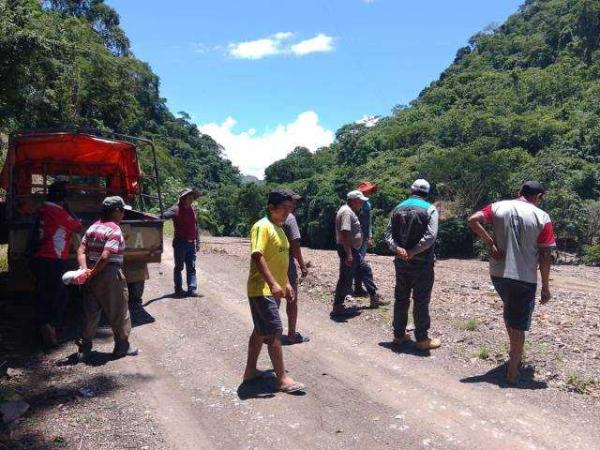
x: 278, y: 44
x: 253, y: 152
x: 318, y: 44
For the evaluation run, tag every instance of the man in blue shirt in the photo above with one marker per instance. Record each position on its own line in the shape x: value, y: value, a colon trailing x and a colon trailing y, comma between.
x: 410, y: 235
x: 365, y: 217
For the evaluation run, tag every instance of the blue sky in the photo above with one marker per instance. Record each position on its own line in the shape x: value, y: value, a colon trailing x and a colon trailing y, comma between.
x: 264, y: 76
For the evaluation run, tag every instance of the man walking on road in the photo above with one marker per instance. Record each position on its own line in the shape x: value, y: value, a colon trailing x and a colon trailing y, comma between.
x: 349, y: 239
x: 102, y: 248
x: 410, y: 235
x: 267, y: 285
x: 365, y: 217
x: 523, y: 239
x: 292, y: 232
x: 52, y: 242
x: 186, y: 242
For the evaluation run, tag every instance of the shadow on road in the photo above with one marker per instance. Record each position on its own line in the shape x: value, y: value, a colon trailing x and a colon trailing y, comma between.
x: 171, y: 296
x: 408, y: 348
x: 497, y: 376
x: 261, y: 388
x: 343, y: 318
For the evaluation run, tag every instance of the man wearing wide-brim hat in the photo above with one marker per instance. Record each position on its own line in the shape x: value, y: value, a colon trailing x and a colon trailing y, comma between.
x: 186, y: 241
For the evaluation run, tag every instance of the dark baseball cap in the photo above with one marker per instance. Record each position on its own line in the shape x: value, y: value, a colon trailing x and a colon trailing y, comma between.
x: 110, y: 204
x: 293, y: 194
x: 277, y: 196
x: 532, y: 188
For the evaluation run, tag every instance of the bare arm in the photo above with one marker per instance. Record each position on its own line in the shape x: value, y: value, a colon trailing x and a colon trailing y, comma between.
x: 81, y: 260
x: 101, y: 263
x: 297, y: 253
x: 476, y: 222
x: 545, y: 261
x: 263, y: 269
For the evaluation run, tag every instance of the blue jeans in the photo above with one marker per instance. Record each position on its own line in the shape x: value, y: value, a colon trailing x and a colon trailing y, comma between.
x: 344, y: 284
x: 185, y: 253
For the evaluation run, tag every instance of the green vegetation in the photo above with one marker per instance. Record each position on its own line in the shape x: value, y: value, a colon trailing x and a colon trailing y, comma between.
x: 67, y: 63
x: 3, y: 258
x: 469, y: 325
x: 591, y: 255
x: 483, y: 352
x: 580, y: 384
x: 519, y: 102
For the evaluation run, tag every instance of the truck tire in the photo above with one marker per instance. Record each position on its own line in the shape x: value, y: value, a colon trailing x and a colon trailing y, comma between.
x: 136, y: 291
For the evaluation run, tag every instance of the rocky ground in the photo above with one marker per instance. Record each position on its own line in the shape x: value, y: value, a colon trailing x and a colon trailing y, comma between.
x: 563, y: 346
x: 184, y: 392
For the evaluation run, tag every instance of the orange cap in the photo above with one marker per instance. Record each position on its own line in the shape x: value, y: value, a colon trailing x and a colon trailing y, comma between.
x: 367, y: 187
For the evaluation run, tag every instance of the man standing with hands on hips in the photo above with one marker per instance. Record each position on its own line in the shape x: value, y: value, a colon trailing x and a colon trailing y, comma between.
x: 523, y: 239
x: 186, y: 241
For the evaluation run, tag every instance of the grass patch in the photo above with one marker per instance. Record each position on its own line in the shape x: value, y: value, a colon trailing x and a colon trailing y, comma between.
x: 483, y: 352
x: 3, y: 258
x: 469, y: 325
x: 580, y: 384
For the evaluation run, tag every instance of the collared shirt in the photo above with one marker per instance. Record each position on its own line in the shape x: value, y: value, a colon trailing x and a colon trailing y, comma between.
x: 56, y: 228
x: 269, y: 240
x: 520, y: 230
x: 104, y: 236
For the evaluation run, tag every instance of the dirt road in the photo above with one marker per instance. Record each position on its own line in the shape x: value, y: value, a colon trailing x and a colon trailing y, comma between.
x: 183, y: 391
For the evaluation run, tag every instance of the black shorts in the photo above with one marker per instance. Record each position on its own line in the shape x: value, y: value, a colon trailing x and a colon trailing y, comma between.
x: 265, y: 315
x: 519, y: 301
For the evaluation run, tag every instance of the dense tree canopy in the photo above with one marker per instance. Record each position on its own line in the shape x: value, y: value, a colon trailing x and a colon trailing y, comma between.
x: 521, y: 101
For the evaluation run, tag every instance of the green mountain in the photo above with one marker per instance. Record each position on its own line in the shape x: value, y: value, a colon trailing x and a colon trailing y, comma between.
x: 67, y: 63
x: 520, y: 101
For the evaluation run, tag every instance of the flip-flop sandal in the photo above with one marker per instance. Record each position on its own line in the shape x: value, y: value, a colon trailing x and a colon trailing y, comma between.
x: 291, y: 388
x: 299, y: 339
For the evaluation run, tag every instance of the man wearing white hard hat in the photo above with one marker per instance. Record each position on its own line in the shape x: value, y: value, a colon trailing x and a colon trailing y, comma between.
x: 349, y: 239
x: 410, y: 235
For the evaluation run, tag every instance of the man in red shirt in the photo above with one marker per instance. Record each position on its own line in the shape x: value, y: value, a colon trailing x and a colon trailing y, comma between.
x: 186, y: 241
x: 53, y: 231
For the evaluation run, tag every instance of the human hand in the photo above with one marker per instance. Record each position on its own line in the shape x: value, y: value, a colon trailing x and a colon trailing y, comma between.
x: 290, y: 293
x: 401, y: 253
x: 349, y: 260
x: 545, y: 295
x: 277, y: 291
x: 370, y: 242
x: 496, y: 253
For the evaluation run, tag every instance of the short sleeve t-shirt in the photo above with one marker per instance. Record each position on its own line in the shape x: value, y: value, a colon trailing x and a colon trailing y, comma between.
x: 268, y: 239
x: 104, y: 236
x: 520, y: 229
x: 56, y: 228
x: 292, y: 232
x: 347, y: 220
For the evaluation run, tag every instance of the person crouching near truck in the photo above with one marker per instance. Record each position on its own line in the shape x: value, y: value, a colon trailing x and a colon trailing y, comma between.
x: 51, y: 241
x: 101, y: 254
x: 186, y: 242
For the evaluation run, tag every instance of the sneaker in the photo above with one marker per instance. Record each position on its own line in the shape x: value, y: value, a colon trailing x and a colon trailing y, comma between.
x: 402, y: 339
x: 377, y: 301
x: 350, y: 299
x: 428, y: 344
x: 123, y: 348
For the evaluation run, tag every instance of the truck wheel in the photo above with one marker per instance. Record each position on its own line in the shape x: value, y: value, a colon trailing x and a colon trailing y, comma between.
x: 136, y: 291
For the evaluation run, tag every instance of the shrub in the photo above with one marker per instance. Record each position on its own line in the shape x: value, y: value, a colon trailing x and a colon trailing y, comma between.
x: 591, y: 255
x: 454, y: 238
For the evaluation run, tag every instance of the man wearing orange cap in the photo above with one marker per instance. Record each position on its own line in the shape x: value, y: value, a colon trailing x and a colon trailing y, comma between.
x: 365, y: 218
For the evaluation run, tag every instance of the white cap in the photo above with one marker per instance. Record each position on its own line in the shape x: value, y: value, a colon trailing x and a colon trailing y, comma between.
x: 421, y: 185
x: 353, y: 195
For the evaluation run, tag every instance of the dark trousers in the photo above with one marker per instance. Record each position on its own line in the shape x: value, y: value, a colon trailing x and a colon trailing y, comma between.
x: 51, y: 293
x: 347, y: 273
x: 416, y: 278
x: 358, y: 282
x: 185, y: 254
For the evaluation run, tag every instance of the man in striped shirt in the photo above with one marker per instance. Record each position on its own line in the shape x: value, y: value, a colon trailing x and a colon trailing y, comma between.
x: 102, y: 249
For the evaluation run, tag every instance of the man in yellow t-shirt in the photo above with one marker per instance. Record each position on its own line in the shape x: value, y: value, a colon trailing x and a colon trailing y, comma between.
x: 267, y: 285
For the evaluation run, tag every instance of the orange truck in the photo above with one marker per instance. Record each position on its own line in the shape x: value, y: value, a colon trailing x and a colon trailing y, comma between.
x: 94, y: 167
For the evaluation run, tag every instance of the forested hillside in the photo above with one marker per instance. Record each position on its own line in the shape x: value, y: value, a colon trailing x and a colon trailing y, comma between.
x: 520, y: 101
x: 66, y: 63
